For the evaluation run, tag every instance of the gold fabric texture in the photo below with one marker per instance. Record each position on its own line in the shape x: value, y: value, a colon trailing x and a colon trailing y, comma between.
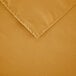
x: 37, y: 37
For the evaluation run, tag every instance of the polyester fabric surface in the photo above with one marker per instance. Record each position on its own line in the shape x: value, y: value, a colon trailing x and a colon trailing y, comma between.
x: 37, y: 37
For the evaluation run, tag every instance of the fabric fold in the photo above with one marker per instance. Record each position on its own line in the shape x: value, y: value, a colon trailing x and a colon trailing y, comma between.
x: 37, y: 16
